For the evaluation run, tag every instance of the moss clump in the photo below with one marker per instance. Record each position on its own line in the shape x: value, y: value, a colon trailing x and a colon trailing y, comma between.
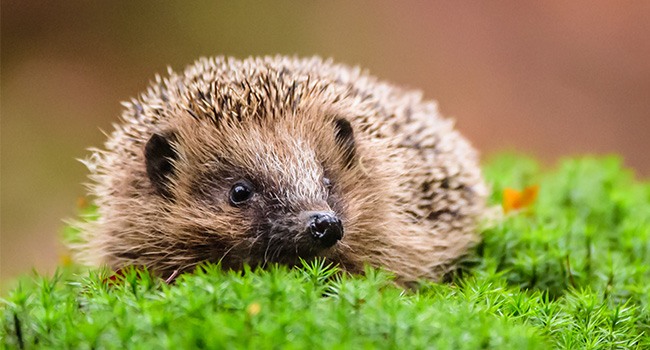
x: 571, y: 271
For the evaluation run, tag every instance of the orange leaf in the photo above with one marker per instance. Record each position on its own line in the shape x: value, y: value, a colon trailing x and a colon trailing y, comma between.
x: 516, y: 200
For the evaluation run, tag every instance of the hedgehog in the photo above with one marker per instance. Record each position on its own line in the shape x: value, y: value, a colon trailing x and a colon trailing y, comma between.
x: 279, y: 160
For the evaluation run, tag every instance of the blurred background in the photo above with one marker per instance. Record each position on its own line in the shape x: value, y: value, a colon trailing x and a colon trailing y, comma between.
x: 548, y: 78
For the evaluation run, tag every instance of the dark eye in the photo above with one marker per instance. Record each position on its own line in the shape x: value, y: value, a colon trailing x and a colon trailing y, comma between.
x: 240, y: 192
x: 327, y: 182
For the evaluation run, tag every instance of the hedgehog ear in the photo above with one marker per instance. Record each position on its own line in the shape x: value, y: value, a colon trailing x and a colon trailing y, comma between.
x: 159, y: 155
x: 344, y: 135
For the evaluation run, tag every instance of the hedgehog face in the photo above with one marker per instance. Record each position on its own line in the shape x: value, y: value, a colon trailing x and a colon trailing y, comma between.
x: 280, y: 192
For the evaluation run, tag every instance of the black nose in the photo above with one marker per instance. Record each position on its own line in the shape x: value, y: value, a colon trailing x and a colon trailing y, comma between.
x: 326, y: 229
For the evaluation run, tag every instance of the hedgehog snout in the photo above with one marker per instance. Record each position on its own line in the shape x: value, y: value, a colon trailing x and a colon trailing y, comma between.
x: 325, y: 228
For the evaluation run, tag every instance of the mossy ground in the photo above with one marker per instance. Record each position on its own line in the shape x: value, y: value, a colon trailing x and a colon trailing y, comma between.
x: 571, y: 271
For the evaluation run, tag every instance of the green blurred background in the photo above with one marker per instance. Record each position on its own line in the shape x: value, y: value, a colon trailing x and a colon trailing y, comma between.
x: 549, y: 78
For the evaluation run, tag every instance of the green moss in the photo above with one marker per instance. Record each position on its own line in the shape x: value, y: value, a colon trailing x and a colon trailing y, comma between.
x: 572, y: 271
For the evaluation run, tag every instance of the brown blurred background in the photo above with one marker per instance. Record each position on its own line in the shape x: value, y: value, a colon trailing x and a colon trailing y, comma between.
x: 548, y: 78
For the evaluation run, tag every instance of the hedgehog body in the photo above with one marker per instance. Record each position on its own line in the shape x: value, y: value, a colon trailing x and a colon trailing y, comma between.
x: 275, y: 159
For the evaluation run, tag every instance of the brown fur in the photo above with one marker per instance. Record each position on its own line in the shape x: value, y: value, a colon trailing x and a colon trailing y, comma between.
x: 409, y: 200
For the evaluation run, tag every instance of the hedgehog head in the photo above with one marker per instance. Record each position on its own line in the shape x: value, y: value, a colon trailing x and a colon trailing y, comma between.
x: 278, y: 183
